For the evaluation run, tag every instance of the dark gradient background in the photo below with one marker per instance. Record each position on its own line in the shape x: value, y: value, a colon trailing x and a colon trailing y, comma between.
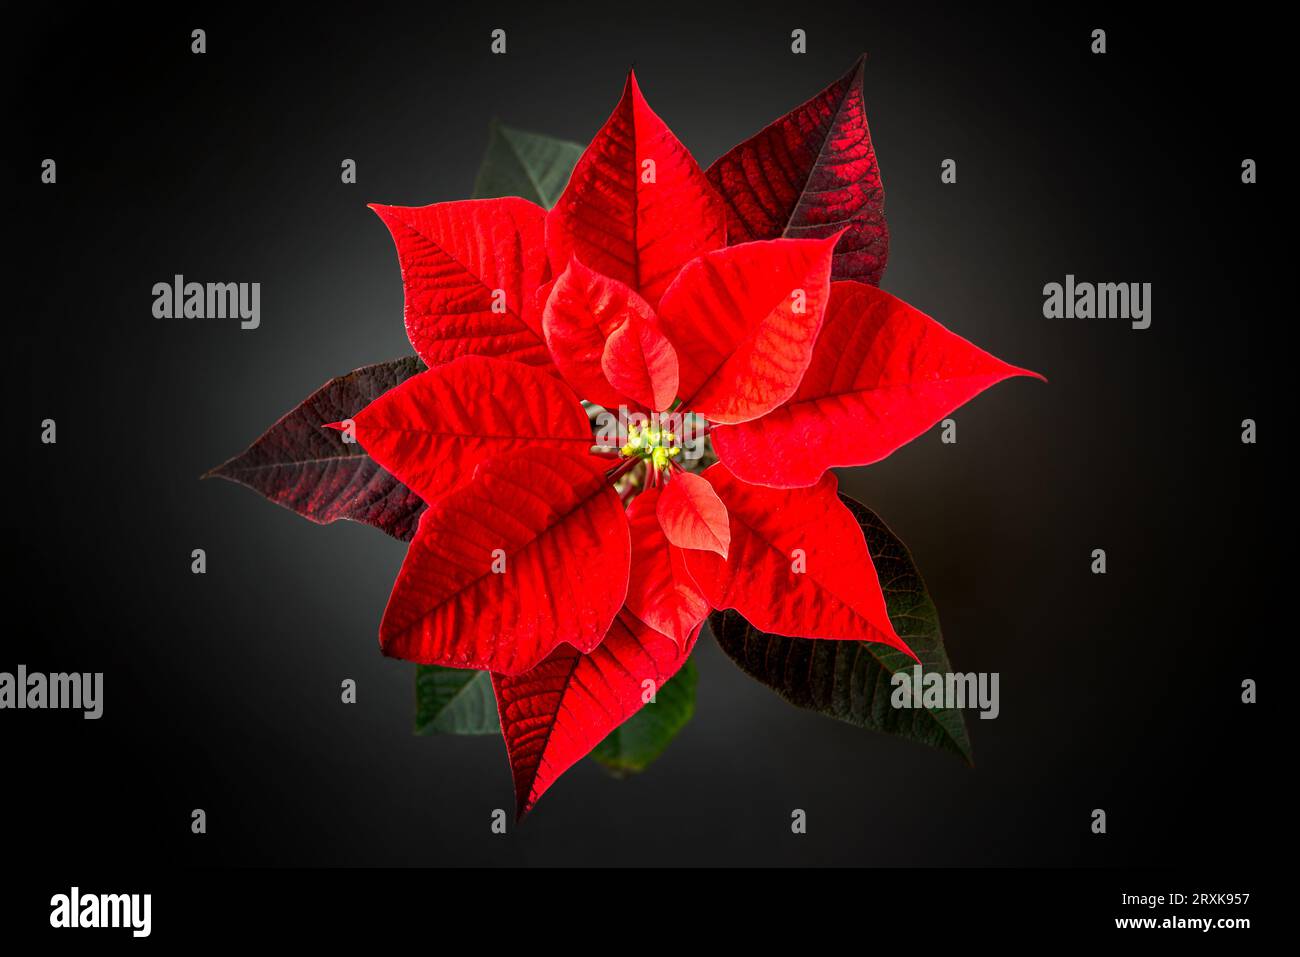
x: 222, y: 691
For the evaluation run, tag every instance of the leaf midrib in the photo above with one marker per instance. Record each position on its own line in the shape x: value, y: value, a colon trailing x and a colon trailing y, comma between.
x: 795, y: 400
x: 821, y: 585
x: 821, y: 149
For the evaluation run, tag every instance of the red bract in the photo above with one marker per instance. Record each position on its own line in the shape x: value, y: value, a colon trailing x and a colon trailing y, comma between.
x: 576, y: 567
x: 808, y: 175
x: 554, y: 715
x: 882, y: 373
x: 622, y: 212
x: 471, y: 270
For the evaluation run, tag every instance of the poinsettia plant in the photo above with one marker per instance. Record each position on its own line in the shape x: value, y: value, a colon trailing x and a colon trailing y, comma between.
x: 631, y: 379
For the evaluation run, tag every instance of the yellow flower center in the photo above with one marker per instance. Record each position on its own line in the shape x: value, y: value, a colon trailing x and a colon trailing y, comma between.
x: 655, y: 445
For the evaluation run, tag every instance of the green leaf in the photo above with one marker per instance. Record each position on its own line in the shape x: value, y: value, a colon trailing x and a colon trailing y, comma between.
x: 640, y: 739
x: 523, y: 164
x: 454, y: 701
x: 849, y: 680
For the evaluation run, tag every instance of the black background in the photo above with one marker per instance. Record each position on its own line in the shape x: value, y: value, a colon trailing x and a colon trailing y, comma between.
x: 1119, y: 692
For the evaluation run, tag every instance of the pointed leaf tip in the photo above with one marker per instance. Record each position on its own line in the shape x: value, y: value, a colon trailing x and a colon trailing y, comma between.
x: 881, y: 374
x: 807, y: 171
x: 303, y: 467
x: 555, y: 714
x: 637, y: 207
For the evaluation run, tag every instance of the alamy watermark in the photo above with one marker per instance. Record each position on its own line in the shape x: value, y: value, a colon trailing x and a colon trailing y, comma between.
x: 179, y: 299
x: 916, y: 688
x: 76, y: 909
x: 1102, y: 300
x: 36, y: 691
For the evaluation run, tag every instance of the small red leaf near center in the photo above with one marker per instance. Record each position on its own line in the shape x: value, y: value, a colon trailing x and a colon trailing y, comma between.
x: 660, y: 591
x: 692, y: 515
x: 640, y: 363
x: 605, y: 340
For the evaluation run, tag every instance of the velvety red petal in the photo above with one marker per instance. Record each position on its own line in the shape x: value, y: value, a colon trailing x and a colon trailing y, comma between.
x: 637, y: 207
x: 552, y: 716
x: 692, y: 516
x: 744, y: 320
x: 808, y: 175
x: 882, y: 373
x: 471, y: 271
x: 660, y: 590
x: 798, y: 564
x: 532, y: 552
x: 435, y: 428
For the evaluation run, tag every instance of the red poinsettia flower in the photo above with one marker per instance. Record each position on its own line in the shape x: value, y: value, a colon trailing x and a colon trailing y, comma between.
x: 576, y: 567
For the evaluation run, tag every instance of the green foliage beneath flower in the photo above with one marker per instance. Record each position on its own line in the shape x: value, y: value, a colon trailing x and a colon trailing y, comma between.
x: 850, y: 680
x: 528, y: 165
x: 643, y: 737
x: 454, y: 701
